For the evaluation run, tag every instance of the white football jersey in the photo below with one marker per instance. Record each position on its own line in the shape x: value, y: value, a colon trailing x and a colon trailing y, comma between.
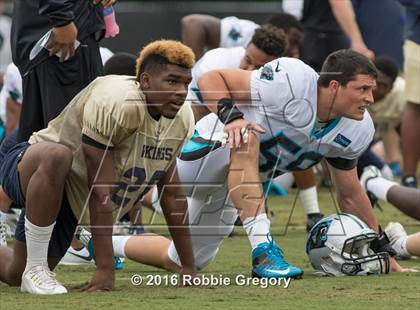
x: 236, y: 32
x: 13, y: 83
x: 12, y: 87
x: 284, y: 103
x: 218, y: 58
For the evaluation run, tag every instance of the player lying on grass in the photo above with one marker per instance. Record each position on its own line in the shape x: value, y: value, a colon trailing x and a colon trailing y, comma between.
x: 306, y: 117
x: 405, y: 199
x: 116, y: 138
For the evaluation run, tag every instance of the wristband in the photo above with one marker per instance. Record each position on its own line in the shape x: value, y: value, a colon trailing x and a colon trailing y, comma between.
x: 227, y: 111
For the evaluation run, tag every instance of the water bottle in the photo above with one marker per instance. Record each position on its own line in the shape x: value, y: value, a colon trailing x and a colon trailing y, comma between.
x: 111, y: 26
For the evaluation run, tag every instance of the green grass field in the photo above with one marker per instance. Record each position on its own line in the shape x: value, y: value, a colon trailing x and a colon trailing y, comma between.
x: 394, y: 291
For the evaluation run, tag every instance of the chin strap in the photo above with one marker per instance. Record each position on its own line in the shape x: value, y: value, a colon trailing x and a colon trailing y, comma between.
x: 382, y: 244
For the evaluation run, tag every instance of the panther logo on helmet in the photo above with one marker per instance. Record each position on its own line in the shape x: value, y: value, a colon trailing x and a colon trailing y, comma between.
x: 340, y: 245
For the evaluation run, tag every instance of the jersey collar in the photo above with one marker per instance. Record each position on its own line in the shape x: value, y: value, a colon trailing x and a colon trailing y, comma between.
x: 325, y: 130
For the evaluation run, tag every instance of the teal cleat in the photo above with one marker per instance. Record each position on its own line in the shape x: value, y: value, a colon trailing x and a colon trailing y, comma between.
x: 268, y: 262
x: 118, y: 261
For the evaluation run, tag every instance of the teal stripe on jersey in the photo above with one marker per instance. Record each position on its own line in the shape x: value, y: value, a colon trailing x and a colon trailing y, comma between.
x: 326, y: 129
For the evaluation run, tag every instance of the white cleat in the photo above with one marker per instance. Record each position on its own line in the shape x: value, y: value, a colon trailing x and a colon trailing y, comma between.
x: 396, y: 232
x: 77, y: 257
x: 12, y: 218
x: 370, y: 172
x: 40, y: 280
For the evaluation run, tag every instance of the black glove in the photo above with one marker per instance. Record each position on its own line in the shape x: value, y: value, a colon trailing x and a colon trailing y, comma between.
x: 227, y: 112
x: 382, y: 244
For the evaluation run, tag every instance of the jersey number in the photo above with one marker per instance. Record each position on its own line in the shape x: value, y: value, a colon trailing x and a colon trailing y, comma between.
x: 140, y: 176
x: 273, y: 159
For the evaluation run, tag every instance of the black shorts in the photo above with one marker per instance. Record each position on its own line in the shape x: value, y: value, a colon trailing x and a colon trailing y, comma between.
x: 66, y: 222
x: 368, y: 158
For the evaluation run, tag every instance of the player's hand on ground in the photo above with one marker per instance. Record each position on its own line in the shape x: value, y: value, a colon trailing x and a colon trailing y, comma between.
x: 62, y: 40
x: 186, y: 273
x: 102, y: 281
x: 409, y: 270
x: 237, y: 132
x: 105, y: 3
x: 395, y: 267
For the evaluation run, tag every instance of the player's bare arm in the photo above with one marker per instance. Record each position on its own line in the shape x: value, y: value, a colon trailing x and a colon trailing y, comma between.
x: 351, y: 196
x: 352, y: 199
x: 343, y: 12
x: 174, y: 206
x: 200, y: 32
x: 219, y: 89
x: 101, y: 177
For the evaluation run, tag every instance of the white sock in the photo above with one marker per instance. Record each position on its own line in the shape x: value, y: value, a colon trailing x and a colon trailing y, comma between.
x: 2, y: 217
x: 309, y: 198
x: 37, y: 241
x: 257, y: 229
x: 156, y: 201
x: 400, y: 246
x: 379, y: 187
x: 118, y: 243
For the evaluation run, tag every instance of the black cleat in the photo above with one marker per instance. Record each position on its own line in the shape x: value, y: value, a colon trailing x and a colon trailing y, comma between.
x: 409, y: 181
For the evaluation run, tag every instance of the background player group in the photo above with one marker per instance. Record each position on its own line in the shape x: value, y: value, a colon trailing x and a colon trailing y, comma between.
x: 278, y: 116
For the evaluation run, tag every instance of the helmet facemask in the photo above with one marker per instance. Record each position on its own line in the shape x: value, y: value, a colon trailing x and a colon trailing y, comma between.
x: 340, y: 244
x: 360, y: 259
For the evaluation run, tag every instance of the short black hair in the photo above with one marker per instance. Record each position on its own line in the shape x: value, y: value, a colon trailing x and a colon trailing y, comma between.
x: 285, y: 21
x: 270, y: 39
x: 154, y: 62
x: 387, y: 66
x: 343, y: 66
x: 121, y: 64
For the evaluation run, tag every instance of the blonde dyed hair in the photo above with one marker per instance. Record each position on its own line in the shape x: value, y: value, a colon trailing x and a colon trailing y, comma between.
x: 173, y: 51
